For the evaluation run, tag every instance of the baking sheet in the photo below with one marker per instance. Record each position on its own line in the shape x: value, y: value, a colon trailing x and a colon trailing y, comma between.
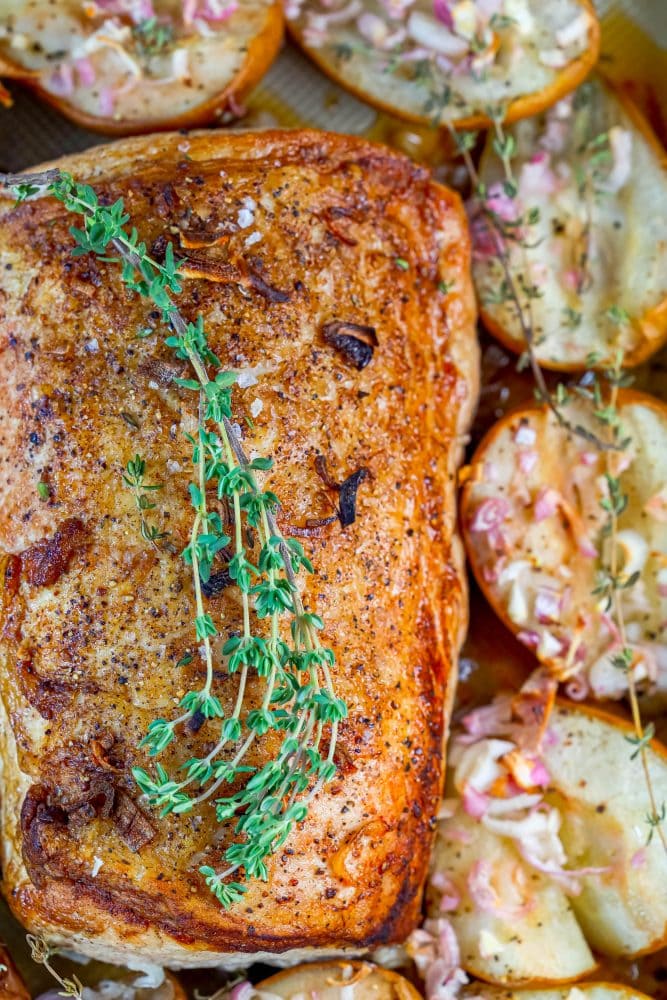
x: 293, y: 94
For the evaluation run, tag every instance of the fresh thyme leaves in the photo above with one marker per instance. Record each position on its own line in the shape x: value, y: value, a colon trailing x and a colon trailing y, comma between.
x: 133, y: 477
x: 655, y: 821
x: 41, y: 954
x: 152, y: 37
x: 571, y: 317
x: 299, y: 699
x: 610, y: 586
x: 618, y: 316
x: 506, y: 229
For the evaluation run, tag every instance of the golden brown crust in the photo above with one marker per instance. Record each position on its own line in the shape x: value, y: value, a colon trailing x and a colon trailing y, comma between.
x: 567, y: 80
x: 260, y: 55
x: 96, y: 648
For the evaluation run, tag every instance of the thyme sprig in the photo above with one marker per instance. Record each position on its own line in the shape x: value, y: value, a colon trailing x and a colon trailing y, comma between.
x: 299, y: 699
x: 41, y: 953
x: 504, y: 232
x: 612, y: 582
x: 600, y: 393
x: 152, y: 37
x: 133, y: 477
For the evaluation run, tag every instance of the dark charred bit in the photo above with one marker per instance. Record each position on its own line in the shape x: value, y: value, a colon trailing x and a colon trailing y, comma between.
x: 259, y: 285
x: 45, y: 562
x: 102, y: 752
x: 324, y: 474
x: 336, y: 227
x: 37, y: 818
x: 166, y: 201
x: 354, y: 341
x: 195, y: 722
x: 315, y: 527
x: 159, y: 248
x: 347, y: 507
x: 196, y: 233
x: 216, y: 583
x: 12, y: 575
x: 198, y: 264
x: 347, y: 490
x: 130, y: 419
x: 133, y: 826
x: 157, y: 371
x: 97, y: 801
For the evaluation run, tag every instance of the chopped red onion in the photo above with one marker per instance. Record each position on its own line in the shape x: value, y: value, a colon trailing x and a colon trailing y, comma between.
x: 107, y: 101
x: 474, y: 803
x: 529, y: 638
x: 548, y: 606
x: 443, y: 13
x: 85, y: 71
x: 242, y: 991
x: 449, y: 895
x: 539, y: 775
x: 490, y: 514
x: 61, y: 81
x: 546, y: 504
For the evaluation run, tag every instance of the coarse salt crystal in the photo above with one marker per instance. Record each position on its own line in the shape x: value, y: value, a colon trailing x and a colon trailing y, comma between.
x: 245, y: 218
x: 525, y: 435
x: 247, y: 378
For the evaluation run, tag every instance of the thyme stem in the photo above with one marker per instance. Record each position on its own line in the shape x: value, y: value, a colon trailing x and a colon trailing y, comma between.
x: 609, y: 444
x: 267, y: 806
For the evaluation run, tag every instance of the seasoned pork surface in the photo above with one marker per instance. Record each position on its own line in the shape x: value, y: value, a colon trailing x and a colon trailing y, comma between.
x: 295, y: 232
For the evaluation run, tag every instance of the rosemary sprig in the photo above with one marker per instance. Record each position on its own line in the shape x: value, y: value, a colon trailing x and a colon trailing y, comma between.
x: 299, y: 698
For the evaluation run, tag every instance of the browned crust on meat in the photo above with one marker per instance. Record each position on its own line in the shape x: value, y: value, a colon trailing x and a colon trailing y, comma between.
x: 390, y: 586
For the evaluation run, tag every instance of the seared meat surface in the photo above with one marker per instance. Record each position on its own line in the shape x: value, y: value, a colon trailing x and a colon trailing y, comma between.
x: 290, y: 242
